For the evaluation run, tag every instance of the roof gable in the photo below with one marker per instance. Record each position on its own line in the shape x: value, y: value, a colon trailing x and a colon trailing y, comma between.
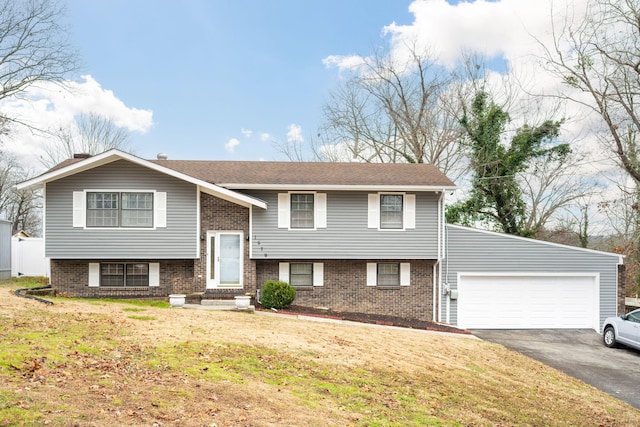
x: 74, y: 166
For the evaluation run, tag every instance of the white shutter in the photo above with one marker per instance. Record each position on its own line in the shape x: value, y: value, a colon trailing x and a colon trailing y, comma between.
x: 372, y: 273
x: 321, y: 210
x: 283, y: 210
x: 405, y: 274
x: 318, y: 274
x: 160, y: 209
x: 410, y: 211
x: 374, y: 210
x: 154, y: 274
x: 283, y: 275
x: 79, y: 209
x: 94, y: 274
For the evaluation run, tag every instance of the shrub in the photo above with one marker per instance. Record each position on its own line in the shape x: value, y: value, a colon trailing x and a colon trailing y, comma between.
x: 277, y: 294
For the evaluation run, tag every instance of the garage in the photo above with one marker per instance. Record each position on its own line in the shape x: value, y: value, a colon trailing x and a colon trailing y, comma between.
x: 528, y: 301
x: 497, y: 281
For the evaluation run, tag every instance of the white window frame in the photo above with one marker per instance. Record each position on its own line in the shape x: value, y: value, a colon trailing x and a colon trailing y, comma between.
x: 408, y: 211
x: 95, y: 274
x: 319, y: 210
x: 79, y: 209
x: 318, y: 273
x: 405, y: 274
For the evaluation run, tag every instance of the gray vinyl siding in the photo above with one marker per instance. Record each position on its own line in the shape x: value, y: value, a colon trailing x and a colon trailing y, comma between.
x: 5, y: 249
x: 347, y: 235
x: 474, y: 251
x: 178, y: 240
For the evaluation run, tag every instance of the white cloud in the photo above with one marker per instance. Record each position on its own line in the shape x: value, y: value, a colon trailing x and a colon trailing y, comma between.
x: 265, y: 137
x: 295, y: 134
x: 246, y: 132
x: 51, y: 107
x: 344, y: 62
x: 231, y: 144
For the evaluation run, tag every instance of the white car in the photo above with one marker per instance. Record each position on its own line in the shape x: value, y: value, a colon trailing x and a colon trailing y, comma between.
x: 624, y: 329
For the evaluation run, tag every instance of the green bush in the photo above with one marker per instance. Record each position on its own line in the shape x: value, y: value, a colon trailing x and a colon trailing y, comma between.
x: 277, y: 294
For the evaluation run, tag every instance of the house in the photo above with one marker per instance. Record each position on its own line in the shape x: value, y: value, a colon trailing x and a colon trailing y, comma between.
x: 349, y: 236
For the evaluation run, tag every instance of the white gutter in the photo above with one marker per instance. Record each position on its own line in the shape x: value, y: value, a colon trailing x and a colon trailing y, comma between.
x: 328, y: 187
x: 434, y: 290
x: 441, y: 225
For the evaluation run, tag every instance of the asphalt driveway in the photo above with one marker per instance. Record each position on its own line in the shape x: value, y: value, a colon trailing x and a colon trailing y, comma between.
x: 579, y: 353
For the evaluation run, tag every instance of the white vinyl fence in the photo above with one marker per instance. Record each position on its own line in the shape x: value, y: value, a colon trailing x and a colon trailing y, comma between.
x: 27, y: 257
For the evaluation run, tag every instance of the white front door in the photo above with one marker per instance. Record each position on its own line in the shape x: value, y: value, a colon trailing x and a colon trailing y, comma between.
x: 224, y: 259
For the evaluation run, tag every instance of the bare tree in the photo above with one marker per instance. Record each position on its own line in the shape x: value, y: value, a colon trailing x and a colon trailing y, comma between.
x: 552, y: 187
x: 92, y: 134
x: 21, y: 207
x: 393, y: 111
x: 34, y: 46
x: 598, y: 55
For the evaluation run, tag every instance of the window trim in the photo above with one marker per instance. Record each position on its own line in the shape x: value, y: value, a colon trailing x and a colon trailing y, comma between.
x: 313, y: 210
x: 95, y: 274
x: 319, y: 211
x: 404, y: 272
x: 402, y: 211
x: 284, y: 271
x: 408, y: 211
x: 291, y: 274
x: 158, y: 210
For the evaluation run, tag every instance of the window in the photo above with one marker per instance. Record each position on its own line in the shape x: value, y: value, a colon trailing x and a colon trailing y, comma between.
x: 125, y: 275
x: 301, y: 274
x: 391, y: 211
x: 137, y: 209
x: 308, y: 274
x: 388, y: 274
x: 302, y: 211
x: 102, y: 209
x: 113, y: 209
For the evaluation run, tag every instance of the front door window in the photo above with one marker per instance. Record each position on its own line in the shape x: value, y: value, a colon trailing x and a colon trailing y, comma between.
x: 224, y: 259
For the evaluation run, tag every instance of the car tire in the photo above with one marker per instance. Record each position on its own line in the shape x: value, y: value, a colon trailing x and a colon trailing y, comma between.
x: 609, y: 337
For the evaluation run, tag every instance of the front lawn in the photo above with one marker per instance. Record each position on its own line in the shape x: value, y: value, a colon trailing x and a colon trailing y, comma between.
x: 105, y: 363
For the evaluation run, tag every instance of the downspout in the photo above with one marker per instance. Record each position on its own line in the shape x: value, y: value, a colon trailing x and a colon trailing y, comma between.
x: 440, y: 251
x: 434, y: 290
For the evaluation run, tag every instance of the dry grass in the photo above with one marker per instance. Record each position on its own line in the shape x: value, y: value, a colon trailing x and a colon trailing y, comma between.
x: 104, y: 363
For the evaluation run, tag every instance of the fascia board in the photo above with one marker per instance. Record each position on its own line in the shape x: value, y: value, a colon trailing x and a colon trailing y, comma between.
x: 311, y: 187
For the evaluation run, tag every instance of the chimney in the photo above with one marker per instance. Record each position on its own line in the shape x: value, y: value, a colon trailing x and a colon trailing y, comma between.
x: 81, y: 155
x: 162, y: 156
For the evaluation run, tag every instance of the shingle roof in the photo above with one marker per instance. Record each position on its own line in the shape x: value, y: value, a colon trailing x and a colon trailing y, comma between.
x: 236, y: 173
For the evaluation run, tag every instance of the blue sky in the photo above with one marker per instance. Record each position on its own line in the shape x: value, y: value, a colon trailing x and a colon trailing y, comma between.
x: 210, y: 69
x: 228, y: 79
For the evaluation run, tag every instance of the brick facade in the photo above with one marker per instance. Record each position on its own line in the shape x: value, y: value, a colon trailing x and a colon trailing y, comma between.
x: 221, y: 215
x: 345, y: 289
x: 71, y: 277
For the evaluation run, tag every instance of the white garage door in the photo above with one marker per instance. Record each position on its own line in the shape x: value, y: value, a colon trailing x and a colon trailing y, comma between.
x: 528, y: 301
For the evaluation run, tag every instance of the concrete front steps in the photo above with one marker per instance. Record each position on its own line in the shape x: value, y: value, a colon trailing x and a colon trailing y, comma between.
x: 203, y: 301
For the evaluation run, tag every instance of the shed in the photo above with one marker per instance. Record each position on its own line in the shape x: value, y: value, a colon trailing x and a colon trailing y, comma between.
x: 509, y: 282
x: 5, y: 249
